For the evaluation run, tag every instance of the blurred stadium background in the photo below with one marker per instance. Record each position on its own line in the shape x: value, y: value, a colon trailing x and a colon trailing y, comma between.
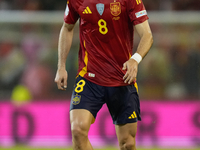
x: 33, y: 113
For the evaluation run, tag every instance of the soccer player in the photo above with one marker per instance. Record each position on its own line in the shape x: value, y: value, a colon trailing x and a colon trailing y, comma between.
x: 107, y: 69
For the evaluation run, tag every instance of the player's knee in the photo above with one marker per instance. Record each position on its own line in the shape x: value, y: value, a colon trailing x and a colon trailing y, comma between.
x: 78, y: 132
x: 127, y: 144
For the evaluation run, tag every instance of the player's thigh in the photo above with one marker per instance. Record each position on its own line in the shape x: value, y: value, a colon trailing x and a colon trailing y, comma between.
x: 81, y: 120
x: 126, y: 132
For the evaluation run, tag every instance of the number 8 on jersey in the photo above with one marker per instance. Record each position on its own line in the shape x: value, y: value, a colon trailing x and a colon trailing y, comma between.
x: 102, y: 26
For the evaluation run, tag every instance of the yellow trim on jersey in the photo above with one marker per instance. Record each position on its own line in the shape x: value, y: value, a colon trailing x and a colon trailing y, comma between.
x: 136, y: 86
x: 130, y: 56
x: 84, y: 70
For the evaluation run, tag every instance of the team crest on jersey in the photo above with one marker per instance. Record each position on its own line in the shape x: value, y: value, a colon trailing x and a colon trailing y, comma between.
x: 76, y: 99
x: 115, y: 8
x: 100, y: 8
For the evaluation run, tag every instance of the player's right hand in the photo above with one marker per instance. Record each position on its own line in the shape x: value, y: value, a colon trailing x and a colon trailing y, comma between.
x: 61, y: 79
x: 131, y: 67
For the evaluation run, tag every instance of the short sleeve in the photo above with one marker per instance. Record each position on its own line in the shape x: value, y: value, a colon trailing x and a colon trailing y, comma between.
x: 137, y: 12
x: 71, y: 15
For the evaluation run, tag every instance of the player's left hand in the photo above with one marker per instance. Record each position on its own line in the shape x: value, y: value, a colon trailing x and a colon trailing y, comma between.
x: 131, y: 67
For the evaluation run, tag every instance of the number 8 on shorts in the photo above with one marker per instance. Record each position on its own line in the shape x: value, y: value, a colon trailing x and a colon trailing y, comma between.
x: 79, y: 86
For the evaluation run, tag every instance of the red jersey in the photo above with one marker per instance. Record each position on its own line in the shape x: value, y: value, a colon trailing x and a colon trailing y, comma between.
x: 106, y: 36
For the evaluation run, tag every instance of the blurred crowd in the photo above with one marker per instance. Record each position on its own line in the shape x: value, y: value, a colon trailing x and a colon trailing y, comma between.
x: 28, y: 56
x: 60, y: 5
x: 171, y: 70
x: 32, y: 5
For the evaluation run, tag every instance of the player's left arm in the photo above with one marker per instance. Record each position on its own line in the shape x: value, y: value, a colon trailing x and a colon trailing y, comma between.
x: 146, y: 41
x: 146, y: 38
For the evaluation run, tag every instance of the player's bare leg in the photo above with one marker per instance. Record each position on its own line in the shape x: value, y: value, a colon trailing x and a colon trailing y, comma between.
x: 81, y: 120
x: 126, y: 136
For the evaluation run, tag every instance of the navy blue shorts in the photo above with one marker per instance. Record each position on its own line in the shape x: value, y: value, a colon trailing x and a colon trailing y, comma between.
x: 122, y: 102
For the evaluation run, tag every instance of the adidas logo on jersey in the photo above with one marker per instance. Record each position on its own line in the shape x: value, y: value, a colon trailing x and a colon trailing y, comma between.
x: 133, y: 115
x: 138, y: 2
x: 87, y: 10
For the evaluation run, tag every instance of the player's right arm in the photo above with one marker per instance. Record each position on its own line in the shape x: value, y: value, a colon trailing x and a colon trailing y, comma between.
x: 64, y: 45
